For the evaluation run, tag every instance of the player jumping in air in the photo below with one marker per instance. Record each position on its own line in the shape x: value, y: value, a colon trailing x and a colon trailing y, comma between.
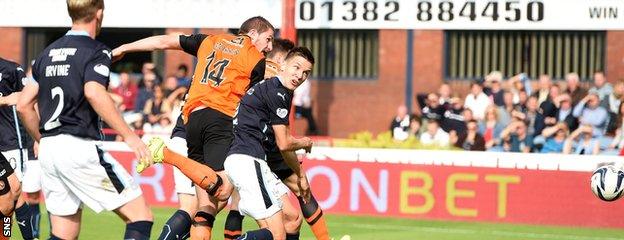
x: 311, y: 211
x: 227, y: 66
x: 71, y: 77
x: 262, y: 118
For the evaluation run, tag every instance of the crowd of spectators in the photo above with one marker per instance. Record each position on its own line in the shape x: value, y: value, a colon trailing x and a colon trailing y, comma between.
x: 151, y: 104
x: 508, y: 115
x: 148, y: 102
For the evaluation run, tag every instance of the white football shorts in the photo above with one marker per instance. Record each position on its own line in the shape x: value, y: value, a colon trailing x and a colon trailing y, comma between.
x: 258, y: 187
x: 76, y: 171
x: 182, y: 183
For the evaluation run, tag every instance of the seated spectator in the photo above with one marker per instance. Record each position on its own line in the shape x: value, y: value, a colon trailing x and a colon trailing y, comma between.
x: 156, y: 107
x: 163, y: 127
x: 520, y: 88
x: 453, y: 119
x: 176, y: 100
x: 145, y: 92
x: 302, y: 99
x: 149, y: 68
x: 182, y: 76
x: 505, y: 111
x: 529, y: 114
x: 523, y: 99
x: 494, y: 82
x: 430, y: 106
x: 543, y: 92
x: 415, y: 127
x: 618, y: 140
x: 470, y: 140
x: 547, y: 113
x: 490, y: 128
x: 554, y: 138
x: 589, y: 112
x: 574, y: 88
x: 564, y: 112
x: 444, y: 93
x: 516, y: 138
x: 400, y: 124
x: 477, y: 101
x: 601, y: 86
x: 434, y: 134
x: 581, y: 142
x: 468, y: 116
x: 169, y: 85
x: 128, y: 92
x: 612, y: 103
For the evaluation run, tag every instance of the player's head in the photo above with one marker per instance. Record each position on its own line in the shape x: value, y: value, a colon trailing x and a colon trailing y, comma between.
x: 85, y: 11
x: 260, y: 31
x: 280, y: 49
x: 297, y: 67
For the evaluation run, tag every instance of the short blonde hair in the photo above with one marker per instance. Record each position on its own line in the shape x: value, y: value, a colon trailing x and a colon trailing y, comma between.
x: 494, y: 111
x: 83, y: 10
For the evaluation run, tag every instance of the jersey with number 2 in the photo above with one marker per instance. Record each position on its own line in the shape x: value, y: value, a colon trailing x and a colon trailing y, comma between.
x: 61, y: 71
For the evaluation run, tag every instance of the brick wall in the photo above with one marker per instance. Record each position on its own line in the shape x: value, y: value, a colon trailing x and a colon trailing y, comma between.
x: 615, y: 55
x: 428, y: 62
x: 11, y: 44
x: 346, y: 106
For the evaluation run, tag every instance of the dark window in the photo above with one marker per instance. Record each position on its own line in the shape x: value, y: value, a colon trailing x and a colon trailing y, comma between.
x: 342, y: 54
x: 473, y: 54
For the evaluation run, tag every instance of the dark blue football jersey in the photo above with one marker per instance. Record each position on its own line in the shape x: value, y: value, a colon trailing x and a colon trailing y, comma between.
x: 14, y: 136
x: 265, y: 104
x: 62, y: 70
x: 180, y: 129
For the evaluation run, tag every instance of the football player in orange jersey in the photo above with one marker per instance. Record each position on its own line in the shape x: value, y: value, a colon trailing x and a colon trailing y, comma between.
x: 227, y: 65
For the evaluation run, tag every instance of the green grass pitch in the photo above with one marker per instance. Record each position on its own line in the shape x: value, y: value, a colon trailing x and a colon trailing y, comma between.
x: 106, y: 225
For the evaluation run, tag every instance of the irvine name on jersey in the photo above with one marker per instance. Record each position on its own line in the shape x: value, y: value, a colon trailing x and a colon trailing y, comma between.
x: 62, y: 70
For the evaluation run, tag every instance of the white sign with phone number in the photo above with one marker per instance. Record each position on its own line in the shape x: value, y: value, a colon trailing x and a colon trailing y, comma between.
x: 461, y: 14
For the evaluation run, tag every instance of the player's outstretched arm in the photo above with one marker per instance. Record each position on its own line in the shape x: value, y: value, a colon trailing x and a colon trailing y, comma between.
x: 27, y: 111
x: 102, y: 103
x: 286, y: 142
x: 160, y: 42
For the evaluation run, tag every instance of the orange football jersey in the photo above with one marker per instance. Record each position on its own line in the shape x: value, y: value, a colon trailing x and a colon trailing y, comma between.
x: 223, y: 73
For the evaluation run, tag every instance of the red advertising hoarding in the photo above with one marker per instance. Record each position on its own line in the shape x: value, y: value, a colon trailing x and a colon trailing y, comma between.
x: 434, y: 191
